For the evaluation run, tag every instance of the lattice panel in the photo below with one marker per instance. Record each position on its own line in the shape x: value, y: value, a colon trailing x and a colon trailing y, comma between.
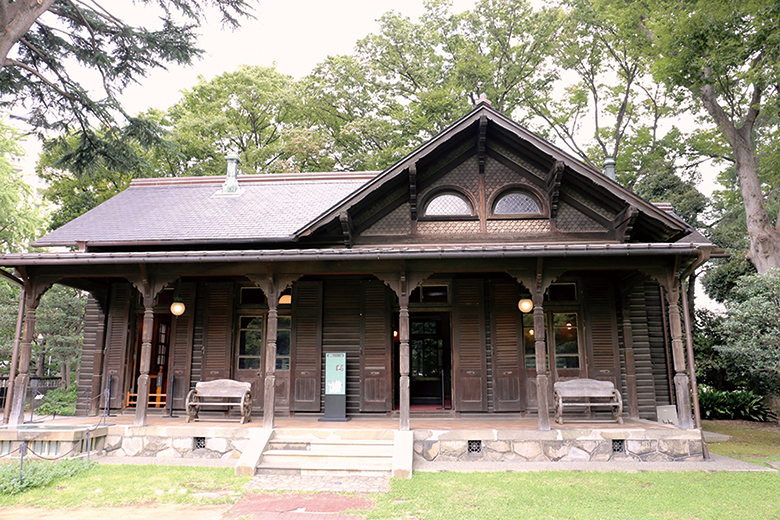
x: 569, y: 219
x: 518, y: 226
x: 447, y: 228
x: 591, y: 204
x: 465, y: 176
x: 506, y: 152
x: 397, y: 222
x: 497, y: 176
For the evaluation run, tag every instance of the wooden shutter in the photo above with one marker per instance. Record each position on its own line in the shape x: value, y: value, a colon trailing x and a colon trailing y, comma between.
x: 181, y: 347
x: 117, y: 332
x: 217, y: 331
x: 375, y: 348
x: 306, y: 346
x: 469, y: 347
x: 90, y: 364
x: 602, y: 326
x: 507, y: 335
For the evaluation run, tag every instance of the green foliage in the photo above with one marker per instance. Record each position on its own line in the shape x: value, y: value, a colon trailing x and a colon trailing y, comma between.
x: 736, y: 404
x: 38, y: 474
x: 751, y: 332
x: 60, y: 328
x: 59, y: 401
x: 710, y: 366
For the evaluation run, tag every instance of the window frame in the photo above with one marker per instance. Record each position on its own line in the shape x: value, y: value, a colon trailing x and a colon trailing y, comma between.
x: 524, y: 190
x: 447, y: 190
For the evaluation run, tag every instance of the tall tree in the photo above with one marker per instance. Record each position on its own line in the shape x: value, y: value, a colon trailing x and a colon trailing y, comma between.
x: 19, y: 216
x: 724, y: 55
x: 48, y: 46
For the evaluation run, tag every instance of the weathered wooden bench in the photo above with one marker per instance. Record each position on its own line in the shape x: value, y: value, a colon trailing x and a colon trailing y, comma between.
x: 221, y: 393
x: 588, y: 393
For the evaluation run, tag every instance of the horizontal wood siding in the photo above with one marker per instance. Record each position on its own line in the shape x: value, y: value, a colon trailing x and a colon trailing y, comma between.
x: 601, y: 327
x: 196, y: 365
x: 182, y: 343
x: 376, y: 338
x: 640, y: 326
x: 217, y: 331
x: 117, y: 334
x: 658, y: 344
x: 506, y: 328
x: 469, y: 347
x: 93, y: 321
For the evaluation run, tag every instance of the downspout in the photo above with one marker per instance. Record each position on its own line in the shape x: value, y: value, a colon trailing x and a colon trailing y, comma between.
x: 15, y: 355
x: 705, y: 255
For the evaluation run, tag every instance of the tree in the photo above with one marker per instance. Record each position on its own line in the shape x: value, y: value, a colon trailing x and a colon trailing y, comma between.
x: 47, y: 47
x: 724, y: 55
x: 752, y: 332
x: 19, y: 217
x: 60, y: 329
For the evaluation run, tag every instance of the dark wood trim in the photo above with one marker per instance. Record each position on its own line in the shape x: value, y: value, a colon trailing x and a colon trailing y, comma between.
x: 346, y: 228
x: 554, y: 178
x: 509, y: 163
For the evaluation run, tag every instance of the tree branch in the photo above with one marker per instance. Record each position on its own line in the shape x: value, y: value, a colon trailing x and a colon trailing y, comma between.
x: 43, y: 78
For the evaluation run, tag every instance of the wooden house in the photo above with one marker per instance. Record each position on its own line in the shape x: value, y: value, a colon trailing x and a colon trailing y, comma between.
x: 414, y: 273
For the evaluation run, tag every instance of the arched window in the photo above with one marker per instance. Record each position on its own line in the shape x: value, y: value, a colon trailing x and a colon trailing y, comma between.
x: 448, y: 204
x: 516, y: 203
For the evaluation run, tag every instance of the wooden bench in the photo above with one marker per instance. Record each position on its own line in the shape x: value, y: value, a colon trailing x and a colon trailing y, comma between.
x: 581, y: 392
x: 220, y: 393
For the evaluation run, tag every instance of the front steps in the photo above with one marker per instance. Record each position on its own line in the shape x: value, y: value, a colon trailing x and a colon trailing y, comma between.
x: 336, y: 452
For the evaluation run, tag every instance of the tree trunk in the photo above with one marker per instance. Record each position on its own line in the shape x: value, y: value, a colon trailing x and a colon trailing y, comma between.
x: 16, y: 18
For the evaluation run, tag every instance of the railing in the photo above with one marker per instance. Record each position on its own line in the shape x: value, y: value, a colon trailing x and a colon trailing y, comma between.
x: 154, y: 400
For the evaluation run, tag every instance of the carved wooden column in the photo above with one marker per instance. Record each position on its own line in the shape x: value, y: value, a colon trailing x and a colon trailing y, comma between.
x: 22, y: 379
x: 9, y: 391
x: 403, y: 333
x: 142, y: 401
x: 540, y: 350
x: 628, y: 346
x: 681, y: 380
x: 269, y: 394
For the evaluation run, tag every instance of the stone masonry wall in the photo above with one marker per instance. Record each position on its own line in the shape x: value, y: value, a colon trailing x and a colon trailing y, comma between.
x: 176, y: 442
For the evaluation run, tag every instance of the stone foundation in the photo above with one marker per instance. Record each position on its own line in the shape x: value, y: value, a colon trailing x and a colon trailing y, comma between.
x: 176, y: 442
x: 558, y: 445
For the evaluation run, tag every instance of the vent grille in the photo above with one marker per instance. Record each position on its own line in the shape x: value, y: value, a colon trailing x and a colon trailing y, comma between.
x: 475, y: 446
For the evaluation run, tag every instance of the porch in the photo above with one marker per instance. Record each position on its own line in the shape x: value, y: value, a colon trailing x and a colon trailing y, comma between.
x: 432, y: 441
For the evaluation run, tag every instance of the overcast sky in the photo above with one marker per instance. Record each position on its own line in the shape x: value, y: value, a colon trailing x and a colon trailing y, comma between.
x: 294, y: 34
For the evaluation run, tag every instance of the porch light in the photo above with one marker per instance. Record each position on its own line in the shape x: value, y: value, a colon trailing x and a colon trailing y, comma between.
x: 178, y: 307
x: 285, y: 299
x: 525, y: 305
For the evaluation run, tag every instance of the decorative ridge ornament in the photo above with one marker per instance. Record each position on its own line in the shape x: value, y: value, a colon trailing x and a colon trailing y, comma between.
x: 483, y: 99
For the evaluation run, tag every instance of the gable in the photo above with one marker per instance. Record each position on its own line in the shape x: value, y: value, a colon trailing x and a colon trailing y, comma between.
x: 476, y: 162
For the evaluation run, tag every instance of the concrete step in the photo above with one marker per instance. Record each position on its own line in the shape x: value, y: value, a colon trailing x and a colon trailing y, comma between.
x: 340, y: 460
x: 365, y: 470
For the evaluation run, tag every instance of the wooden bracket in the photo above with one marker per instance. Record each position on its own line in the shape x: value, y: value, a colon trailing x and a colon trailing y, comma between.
x: 346, y: 228
x: 149, y: 285
x: 554, y: 177
x: 413, y: 191
x: 623, y: 224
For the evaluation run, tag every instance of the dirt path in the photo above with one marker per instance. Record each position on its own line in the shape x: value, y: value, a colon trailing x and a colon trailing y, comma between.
x: 147, y: 512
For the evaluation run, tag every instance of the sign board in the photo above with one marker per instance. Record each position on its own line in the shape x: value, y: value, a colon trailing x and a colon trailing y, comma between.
x: 336, y: 373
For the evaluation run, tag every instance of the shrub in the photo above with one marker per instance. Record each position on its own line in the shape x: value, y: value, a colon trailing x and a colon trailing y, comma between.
x: 38, y: 474
x: 737, y: 404
x: 53, y: 402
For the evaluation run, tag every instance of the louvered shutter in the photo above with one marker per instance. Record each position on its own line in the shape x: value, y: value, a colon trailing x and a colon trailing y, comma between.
x: 602, y: 326
x: 117, y: 332
x: 181, y: 348
x: 375, y: 348
x: 306, y: 346
x: 217, y: 333
x: 507, y: 336
x: 469, y: 347
x: 91, y: 362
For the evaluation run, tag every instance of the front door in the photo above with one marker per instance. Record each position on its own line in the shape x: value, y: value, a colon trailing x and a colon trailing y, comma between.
x: 430, y: 360
x: 158, y: 367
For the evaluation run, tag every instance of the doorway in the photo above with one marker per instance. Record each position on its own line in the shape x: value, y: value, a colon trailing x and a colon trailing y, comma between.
x: 430, y: 361
x: 158, y: 367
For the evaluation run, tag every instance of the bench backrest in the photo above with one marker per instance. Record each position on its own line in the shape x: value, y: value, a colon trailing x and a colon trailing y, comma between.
x: 584, y: 388
x: 222, y: 388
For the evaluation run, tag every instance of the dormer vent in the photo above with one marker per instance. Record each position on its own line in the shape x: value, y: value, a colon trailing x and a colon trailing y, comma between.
x: 609, y: 168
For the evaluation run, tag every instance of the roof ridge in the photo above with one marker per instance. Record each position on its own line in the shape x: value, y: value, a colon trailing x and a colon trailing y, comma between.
x: 217, y: 180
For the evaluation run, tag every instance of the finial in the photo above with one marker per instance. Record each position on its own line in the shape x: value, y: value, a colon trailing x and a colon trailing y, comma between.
x: 483, y: 99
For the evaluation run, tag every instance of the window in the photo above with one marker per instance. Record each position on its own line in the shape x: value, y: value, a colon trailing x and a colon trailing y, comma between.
x: 562, y: 340
x: 448, y: 204
x: 250, y: 342
x: 283, y: 328
x: 430, y: 294
x: 516, y: 203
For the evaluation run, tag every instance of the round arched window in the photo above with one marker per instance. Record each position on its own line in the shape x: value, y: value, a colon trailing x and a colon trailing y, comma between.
x: 448, y: 204
x: 516, y: 203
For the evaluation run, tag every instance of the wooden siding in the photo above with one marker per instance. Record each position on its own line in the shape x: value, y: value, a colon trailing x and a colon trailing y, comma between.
x: 658, y: 344
x: 181, y: 345
x: 469, y: 347
x: 376, y: 338
x: 306, y: 347
x: 602, y: 337
x: 196, y: 365
x: 506, y: 339
x: 93, y: 325
x: 217, y: 335
x: 117, y: 333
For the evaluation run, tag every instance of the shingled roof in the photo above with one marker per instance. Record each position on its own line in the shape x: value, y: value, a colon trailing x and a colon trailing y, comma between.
x: 192, y: 210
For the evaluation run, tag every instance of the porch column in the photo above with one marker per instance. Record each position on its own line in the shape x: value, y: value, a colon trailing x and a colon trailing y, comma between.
x: 628, y: 345
x: 22, y: 379
x: 681, y: 381
x: 269, y: 395
x: 542, y: 382
x: 142, y: 402
x: 9, y: 391
x: 403, y: 333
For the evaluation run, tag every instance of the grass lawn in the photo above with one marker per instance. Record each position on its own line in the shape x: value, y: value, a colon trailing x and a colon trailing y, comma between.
x: 751, y: 441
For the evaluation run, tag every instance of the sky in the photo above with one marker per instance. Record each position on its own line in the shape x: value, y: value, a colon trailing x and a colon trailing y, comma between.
x: 294, y: 34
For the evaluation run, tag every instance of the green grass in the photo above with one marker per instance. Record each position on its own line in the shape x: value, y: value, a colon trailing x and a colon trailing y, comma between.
x: 116, y: 485
x: 583, y: 495
x: 751, y: 442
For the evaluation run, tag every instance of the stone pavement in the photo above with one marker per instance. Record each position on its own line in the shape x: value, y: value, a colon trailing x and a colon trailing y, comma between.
x: 319, y: 483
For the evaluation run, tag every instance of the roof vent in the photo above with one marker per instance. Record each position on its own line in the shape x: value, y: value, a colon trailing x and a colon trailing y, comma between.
x: 230, y: 187
x: 609, y: 168
x: 231, y: 180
